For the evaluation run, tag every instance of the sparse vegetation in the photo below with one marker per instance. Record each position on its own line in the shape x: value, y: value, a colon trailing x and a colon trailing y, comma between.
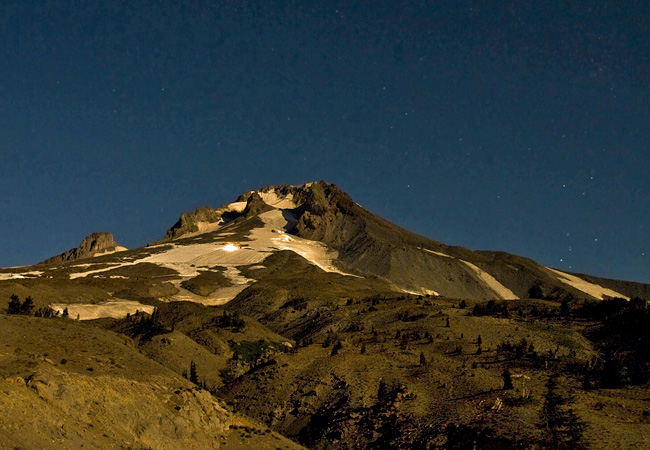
x: 230, y: 320
x: 491, y: 308
x: 16, y: 307
x: 46, y: 311
x: 141, y: 325
x: 298, y: 304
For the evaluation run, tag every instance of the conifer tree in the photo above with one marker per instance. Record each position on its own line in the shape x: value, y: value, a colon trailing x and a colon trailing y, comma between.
x: 194, y: 377
x: 563, y: 429
x: 27, y: 306
x: 14, y: 305
x: 507, y: 379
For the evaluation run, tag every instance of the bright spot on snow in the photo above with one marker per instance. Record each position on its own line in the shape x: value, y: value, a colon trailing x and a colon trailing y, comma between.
x: 230, y: 247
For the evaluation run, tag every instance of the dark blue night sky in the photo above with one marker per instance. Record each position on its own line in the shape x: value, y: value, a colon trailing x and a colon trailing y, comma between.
x: 490, y: 125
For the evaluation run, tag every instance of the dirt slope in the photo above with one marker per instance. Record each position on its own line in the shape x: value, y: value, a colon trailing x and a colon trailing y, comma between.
x: 64, y: 384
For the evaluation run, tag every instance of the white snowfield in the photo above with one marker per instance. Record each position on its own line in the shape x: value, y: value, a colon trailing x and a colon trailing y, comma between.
x: 92, y: 272
x: 117, y: 249
x: 237, y: 206
x: 189, y: 260
x: 210, y: 254
x: 272, y: 237
x: 221, y: 295
x: 435, y: 253
x: 595, y: 290
x: 272, y: 198
x: 498, y: 288
x: 421, y: 291
x: 114, y: 308
x: 18, y: 276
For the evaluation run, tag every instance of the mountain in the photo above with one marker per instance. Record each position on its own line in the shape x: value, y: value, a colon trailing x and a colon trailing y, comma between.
x: 369, y: 246
x: 311, y: 317
x: 95, y: 244
x: 214, y: 256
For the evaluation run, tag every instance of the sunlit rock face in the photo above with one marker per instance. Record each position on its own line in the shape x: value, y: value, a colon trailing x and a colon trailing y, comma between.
x: 96, y: 244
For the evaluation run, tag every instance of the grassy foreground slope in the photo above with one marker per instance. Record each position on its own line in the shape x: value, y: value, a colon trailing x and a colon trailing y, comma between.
x: 415, y: 372
x: 66, y: 384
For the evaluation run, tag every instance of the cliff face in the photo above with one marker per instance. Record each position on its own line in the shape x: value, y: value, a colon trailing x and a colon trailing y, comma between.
x: 93, y: 245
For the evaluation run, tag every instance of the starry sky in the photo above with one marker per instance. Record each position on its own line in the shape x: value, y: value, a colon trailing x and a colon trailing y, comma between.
x: 514, y: 126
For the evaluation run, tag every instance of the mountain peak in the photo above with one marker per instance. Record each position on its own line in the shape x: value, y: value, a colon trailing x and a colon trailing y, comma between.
x: 95, y: 244
x: 314, y: 196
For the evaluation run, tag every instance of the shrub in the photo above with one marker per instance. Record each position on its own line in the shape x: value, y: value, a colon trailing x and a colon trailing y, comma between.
x: 46, y: 311
x: 335, y: 350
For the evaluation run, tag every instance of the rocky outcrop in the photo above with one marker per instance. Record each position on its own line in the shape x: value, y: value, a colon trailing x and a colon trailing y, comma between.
x: 187, y: 223
x: 93, y: 245
x: 255, y: 205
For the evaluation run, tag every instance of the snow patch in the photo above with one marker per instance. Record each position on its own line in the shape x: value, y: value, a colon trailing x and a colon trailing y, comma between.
x: 272, y: 198
x: 210, y: 254
x: 435, y: 253
x: 19, y: 276
x: 595, y: 290
x: 421, y: 291
x: 117, y: 249
x: 115, y: 309
x: 498, y: 288
x: 236, y: 206
x: 236, y: 277
x: 105, y: 269
x: 204, y: 227
x: 220, y: 296
x: 223, y: 295
x: 315, y: 252
x: 259, y: 244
